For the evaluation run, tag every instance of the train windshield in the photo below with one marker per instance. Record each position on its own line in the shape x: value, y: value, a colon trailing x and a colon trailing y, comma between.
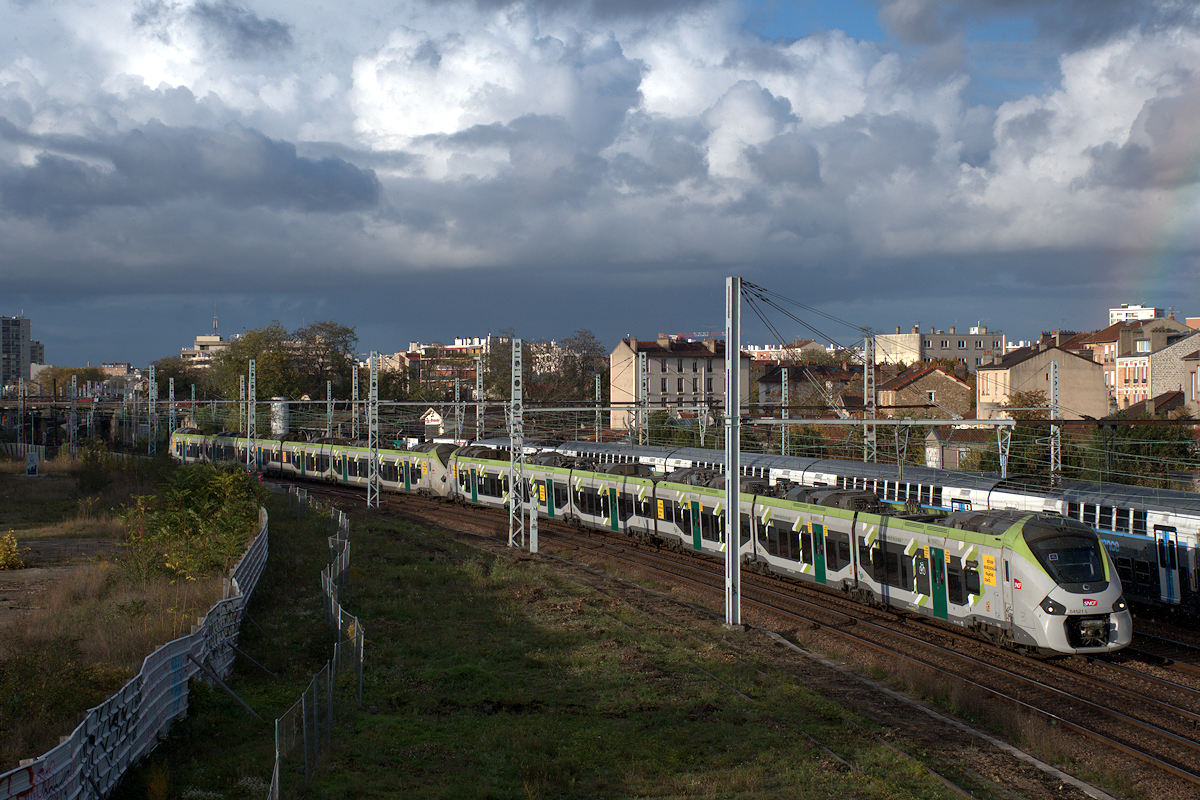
x: 1073, y: 561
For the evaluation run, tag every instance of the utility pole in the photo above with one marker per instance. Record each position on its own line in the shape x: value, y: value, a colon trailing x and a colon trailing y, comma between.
x: 733, y: 473
x: 241, y: 404
x: 869, y: 442
x: 251, y: 417
x: 516, y: 451
x: 373, y: 434
x: 170, y: 403
x: 20, y: 411
x: 783, y: 412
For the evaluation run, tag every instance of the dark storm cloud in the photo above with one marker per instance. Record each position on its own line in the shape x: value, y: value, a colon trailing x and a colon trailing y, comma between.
x: 243, y: 33
x: 1161, y: 151
x: 235, y: 166
x: 871, y: 148
x: 1075, y: 22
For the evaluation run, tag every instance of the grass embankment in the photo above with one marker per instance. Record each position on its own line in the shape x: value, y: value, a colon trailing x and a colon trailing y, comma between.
x: 489, y: 677
x: 219, y: 750
x: 76, y: 628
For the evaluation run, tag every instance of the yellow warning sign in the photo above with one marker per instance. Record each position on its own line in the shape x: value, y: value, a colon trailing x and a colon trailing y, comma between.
x: 661, y: 514
x: 989, y: 570
x: 542, y: 492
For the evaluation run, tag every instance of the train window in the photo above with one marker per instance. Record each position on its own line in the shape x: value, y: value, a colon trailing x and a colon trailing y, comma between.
x: 1089, y: 514
x: 390, y: 471
x: 587, y: 501
x: 625, y: 505
x: 744, y: 529
x: 1139, y: 521
x: 837, y: 551
x: 780, y: 540
x: 937, y: 497
x: 841, y: 481
x: 1105, y: 521
x: 924, y: 495
x: 889, y: 490
x: 683, y: 518
x: 806, y: 545
x: 1122, y: 520
x: 1073, y: 511
x: 710, y: 527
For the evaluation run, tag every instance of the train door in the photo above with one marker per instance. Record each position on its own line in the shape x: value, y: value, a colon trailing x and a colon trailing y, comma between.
x: 1006, y: 593
x: 697, y: 543
x: 614, y: 519
x: 474, y: 486
x: 937, y: 582
x: 818, y: 551
x: 407, y: 466
x: 546, y: 490
x: 345, y: 459
x: 1168, y: 563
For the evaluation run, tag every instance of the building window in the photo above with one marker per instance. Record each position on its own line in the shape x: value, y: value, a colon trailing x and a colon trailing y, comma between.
x: 681, y: 365
x: 663, y: 364
x: 709, y: 367
x: 979, y: 344
x: 695, y: 384
x: 945, y: 344
x: 962, y: 344
x: 708, y: 385
x: 679, y: 384
x: 695, y: 365
x: 926, y: 343
x: 931, y: 396
x: 664, y: 385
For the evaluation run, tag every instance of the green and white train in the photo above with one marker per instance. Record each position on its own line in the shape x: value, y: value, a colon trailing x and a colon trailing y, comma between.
x: 1025, y: 580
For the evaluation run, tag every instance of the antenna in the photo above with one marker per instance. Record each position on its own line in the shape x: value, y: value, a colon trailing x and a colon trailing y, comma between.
x: 215, y: 320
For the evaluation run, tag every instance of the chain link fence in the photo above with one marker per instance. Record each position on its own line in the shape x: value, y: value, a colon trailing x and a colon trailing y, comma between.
x: 337, y: 688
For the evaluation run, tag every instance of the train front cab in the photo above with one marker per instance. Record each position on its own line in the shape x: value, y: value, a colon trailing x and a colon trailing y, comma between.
x: 1063, y: 587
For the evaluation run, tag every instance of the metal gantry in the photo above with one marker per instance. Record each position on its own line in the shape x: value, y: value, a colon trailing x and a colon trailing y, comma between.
x: 516, y: 451
x: 152, y: 414
x: 251, y: 415
x: 373, y: 434
x: 598, y: 398
x: 354, y: 402
x: 457, y: 409
x: 643, y: 409
x: 478, y: 398
x: 783, y: 410
x: 170, y: 405
x: 1055, y: 430
x: 733, y: 517
x: 73, y: 420
x: 20, y: 411
x: 870, y: 449
x: 328, y: 409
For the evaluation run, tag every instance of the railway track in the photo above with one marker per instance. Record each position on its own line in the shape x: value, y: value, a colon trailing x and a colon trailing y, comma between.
x: 1152, y: 719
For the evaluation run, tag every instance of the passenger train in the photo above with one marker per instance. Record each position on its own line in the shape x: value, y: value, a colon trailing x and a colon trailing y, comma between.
x: 1153, y: 535
x: 1022, y: 578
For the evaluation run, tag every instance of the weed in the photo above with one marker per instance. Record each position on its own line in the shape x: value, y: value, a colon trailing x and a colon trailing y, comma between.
x: 10, y: 552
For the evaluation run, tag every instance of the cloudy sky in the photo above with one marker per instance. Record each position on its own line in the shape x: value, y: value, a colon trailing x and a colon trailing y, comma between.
x: 426, y: 170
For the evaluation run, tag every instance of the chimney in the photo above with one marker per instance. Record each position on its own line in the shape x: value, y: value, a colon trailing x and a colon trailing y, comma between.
x: 711, y: 344
x: 952, y: 330
x: 916, y: 328
x: 897, y: 329
x: 633, y: 343
x: 664, y: 340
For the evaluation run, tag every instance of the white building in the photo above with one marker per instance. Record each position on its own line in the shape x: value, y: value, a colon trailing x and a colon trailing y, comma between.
x: 1128, y: 313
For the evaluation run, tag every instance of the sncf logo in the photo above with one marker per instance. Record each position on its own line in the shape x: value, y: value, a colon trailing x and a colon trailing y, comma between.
x: 1016, y: 583
x: 1087, y: 601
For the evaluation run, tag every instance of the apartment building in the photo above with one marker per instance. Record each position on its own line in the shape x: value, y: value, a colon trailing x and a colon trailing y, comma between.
x: 680, y: 372
x: 1081, y: 390
x: 16, y: 347
x: 1143, y: 375
x: 973, y: 347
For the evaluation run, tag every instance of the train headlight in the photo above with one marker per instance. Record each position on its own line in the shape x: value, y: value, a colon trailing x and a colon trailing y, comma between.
x: 1052, y: 608
x: 1120, y: 605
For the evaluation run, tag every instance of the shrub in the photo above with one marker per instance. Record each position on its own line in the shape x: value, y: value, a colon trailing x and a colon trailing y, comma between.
x: 10, y: 553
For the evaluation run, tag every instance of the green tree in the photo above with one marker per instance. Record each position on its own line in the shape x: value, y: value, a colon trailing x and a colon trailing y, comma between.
x: 324, y: 351
x: 275, y: 372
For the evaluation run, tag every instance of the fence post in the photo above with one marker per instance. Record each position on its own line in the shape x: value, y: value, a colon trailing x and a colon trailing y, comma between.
x: 304, y: 728
x: 331, y: 674
x: 358, y: 648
